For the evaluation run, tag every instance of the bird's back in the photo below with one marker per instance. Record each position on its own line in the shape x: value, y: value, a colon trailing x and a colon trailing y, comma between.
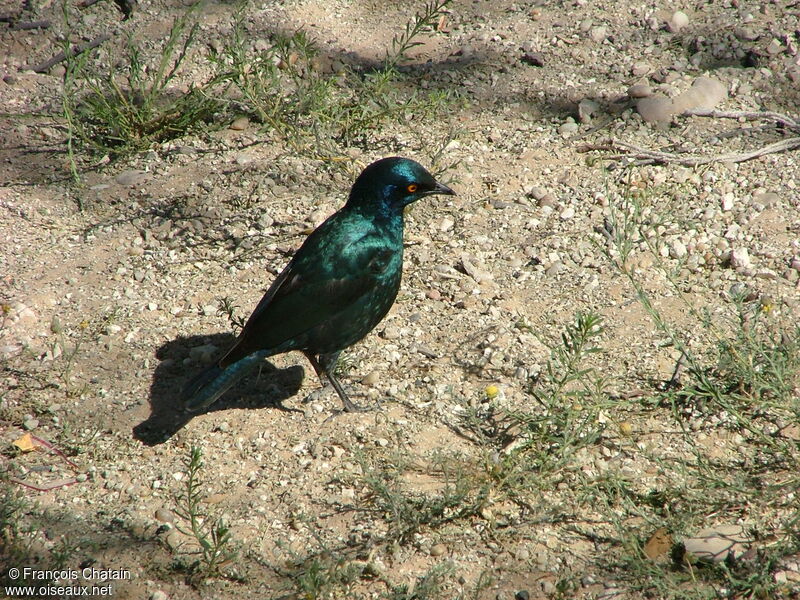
x: 339, y: 285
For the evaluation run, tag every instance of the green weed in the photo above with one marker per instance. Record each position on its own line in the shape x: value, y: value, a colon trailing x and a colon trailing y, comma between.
x: 133, y: 104
x: 462, y: 491
x: 288, y: 88
x: 739, y: 382
x: 216, y: 545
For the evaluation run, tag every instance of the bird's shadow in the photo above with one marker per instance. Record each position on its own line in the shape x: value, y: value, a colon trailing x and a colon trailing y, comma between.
x: 266, y: 387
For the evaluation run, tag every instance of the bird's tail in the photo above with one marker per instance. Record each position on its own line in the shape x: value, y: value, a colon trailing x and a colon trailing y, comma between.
x: 206, y: 388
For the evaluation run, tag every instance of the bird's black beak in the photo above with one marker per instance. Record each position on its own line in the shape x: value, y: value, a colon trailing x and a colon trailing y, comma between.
x: 440, y: 189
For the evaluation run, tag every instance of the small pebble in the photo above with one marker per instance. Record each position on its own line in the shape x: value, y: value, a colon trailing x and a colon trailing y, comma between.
x: 547, y: 200
x: 240, y: 124
x: 371, y: 379
x: 775, y: 47
x: 655, y: 109
x: 131, y: 177
x: 766, y: 199
x: 555, y: 269
x: 598, y: 34
x: 678, y: 21
x: 727, y: 202
x: 640, y: 90
x: 164, y: 515
x: 390, y: 333
x: 677, y: 249
x: 534, y: 59
x: 203, y: 354
x: 640, y: 68
x: 586, y: 108
x: 569, y: 128
x: 705, y: 94
x: 438, y: 549
x: 740, y: 258
x: 716, y: 543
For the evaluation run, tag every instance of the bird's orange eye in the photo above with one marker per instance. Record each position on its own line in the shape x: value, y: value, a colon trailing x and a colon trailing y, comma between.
x: 412, y: 188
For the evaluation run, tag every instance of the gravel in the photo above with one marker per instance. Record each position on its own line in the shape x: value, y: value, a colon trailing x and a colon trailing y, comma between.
x: 133, y: 278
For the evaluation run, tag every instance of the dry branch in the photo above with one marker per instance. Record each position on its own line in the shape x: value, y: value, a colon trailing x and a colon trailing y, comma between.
x: 645, y: 156
x: 74, y: 51
x: 26, y: 25
x: 746, y: 115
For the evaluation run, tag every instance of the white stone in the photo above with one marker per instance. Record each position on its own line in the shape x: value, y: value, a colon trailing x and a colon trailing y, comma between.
x: 740, y: 258
x: 678, y: 21
x: 677, y: 249
x: 715, y: 544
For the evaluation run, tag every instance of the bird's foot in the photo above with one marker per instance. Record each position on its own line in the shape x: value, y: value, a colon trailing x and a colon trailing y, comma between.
x: 350, y: 408
x: 319, y: 394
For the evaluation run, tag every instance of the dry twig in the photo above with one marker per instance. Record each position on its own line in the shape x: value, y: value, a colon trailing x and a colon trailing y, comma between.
x: 74, y: 51
x: 27, y: 25
x: 746, y: 115
x: 645, y: 156
x: 675, y: 380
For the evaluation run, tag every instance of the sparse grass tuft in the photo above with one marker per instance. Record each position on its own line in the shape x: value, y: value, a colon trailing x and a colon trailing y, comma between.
x: 323, y: 574
x: 226, y: 305
x: 427, y: 587
x: 25, y: 541
x: 320, y: 111
x: 216, y: 545
x: 422, y: 21
x: 13, y: 505
x: 317, y: 109
x: 733, y: 456
x: 131, y: 104
x: 461, y: 490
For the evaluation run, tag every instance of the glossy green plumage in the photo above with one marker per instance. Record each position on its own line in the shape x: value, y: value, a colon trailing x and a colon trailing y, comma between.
x: 337, y: 288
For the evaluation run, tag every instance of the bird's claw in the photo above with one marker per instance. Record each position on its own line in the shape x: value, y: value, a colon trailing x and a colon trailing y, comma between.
x: 350, y: 408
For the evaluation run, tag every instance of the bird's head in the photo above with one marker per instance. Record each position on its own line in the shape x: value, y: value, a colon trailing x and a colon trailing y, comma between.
x: 390, y: 184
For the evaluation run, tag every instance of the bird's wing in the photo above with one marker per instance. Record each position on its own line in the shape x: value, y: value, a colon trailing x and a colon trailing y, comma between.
x: 306, y: 294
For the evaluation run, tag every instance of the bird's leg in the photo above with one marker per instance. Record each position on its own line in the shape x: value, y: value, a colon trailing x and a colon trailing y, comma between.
x: 324, y: 364
x: 312, y: 358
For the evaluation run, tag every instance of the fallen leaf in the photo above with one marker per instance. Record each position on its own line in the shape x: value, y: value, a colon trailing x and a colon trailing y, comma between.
x: 658, y: 544
x: 25, y: 443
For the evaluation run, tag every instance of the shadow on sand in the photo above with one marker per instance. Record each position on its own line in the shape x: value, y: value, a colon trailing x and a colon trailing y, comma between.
x: 266, y: 387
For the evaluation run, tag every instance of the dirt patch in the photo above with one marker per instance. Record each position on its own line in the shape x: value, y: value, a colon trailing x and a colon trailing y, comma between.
x: 111, y: 285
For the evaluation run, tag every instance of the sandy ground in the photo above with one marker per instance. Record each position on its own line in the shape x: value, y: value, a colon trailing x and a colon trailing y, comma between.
x: 110, y: 287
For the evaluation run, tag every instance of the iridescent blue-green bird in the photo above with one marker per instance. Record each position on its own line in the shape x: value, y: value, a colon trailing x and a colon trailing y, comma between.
x: 337, y: 287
